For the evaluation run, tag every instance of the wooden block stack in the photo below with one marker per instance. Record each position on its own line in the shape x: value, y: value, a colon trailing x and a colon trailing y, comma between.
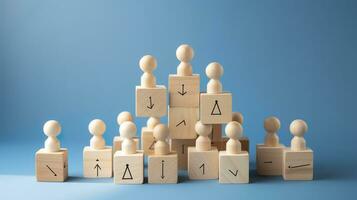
x: 184, y: 91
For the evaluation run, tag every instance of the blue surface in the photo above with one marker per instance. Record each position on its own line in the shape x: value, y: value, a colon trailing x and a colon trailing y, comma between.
x: 78, y: 60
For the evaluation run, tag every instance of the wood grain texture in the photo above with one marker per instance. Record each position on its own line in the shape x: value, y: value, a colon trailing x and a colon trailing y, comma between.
x: 51, y: 166
x: 182, y: 122
x: 128, y: 168
x: 202, y: 164
x: 151, y: 102
x: 97, y: 163
x: 298, y: 165
x: 269, y: 160
x: 233, y: 168
x: 184, y: 91
x: 162, y: 169
x: 215, y: 108
x: 180, y: 146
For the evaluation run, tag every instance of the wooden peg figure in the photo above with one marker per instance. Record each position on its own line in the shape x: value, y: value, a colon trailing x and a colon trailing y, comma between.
x: 298, y: 159
x: 233, y: 163
x: 97, y: 157
x: 117, y: 141
x: 147, y: 135
x: 203, y: 158
x: 128, y: 162
x: 123, y: 117
x: 184, y: 54
x: 214, y: 71
x: 52, y: 160
x: 238, y: 117
x: 148, y: 65
x: 162, y: 165
x: 269, y: 156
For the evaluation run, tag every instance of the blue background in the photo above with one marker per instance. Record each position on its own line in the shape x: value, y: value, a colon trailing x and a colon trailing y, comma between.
x: 78, y: 60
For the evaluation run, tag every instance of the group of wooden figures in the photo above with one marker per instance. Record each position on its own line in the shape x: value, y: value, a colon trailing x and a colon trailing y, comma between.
x: 192, y: 139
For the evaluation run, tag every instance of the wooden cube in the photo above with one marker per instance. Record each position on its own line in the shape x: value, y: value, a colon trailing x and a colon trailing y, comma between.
x: 269, y: 160
x: 162, y: 168
x: 182, y: 122
x: 215, y: 108
x: 298, y: 165
x: 151, y: 102
x: 180, y: 147
x: 117, y: 143
x: 221, y: 145
x: 216, y: 135
x: 202, y: 164
x: 97, y: 163
x: 51, y: 166
x: 128, y: 169
x: 184, y: 91
x: 233, y: 168
x: 147, y: 141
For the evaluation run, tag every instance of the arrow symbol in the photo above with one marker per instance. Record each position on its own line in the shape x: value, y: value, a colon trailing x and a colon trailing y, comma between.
x: 297, y: 166
x: 97, y: 167
x: 183, y: 92
x: 151, y: 104
x: 234, y: 174
x: 183, y: 121
x: 51, y: 170
x: 203, y: 168
x: 162, y: 169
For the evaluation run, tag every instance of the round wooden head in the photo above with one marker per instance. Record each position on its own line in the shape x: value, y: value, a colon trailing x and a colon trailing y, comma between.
x: 184, y: 53
x: 214, y: 70
x: 148, y: 63
x: 234, y: 130
x: 203, y: 129
x: 272, y: 124
x: 97, y: 127
x: 127, y: 130
x: 152, y: 122
x: 124, y: 116
x: 52, y: 128
x: 298, y: 127
x: 238, y: 117
x: 161, y: 132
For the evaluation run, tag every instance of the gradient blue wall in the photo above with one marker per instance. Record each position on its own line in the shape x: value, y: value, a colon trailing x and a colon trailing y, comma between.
x: 78, y: 60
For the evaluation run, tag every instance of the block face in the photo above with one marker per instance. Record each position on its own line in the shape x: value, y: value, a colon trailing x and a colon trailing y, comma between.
x: 184, y: 91
x: 162, y: 168
x: 117, y: 143
x: 51, y: 166
x: 128, y: 169
x: 150, y: 102
x: 269, y: 160
x: 202, y: 164
x: 182, y: 122
x: 233, y: 168
x: 216, y: 108
x: 147, y: 141
x: 97, y: 163
x: 298, y: 165
x: 180, y: 146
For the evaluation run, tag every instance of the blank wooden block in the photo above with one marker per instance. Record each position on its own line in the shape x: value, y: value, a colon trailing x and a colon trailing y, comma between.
x: 221, y: 145
x: 147, y: 141
x: 117, y: 143
x: 184, y: 91
x: 128, y: 169
x: 215, y: 108
x: 150, y: 102
x: 202, y: 164
x: 162, y: 168
x: 216, y: 135
x: 180, y: 147
x: 269, y: 160
x: 182, y: 122
x: 52, y: 166
x: 97, y: 163
x: 233, y: 168
x: 298, y: 165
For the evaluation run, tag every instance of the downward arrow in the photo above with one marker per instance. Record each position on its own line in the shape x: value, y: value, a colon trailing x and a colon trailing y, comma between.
x: 183, y: 92
x: 151, y: 104
x: 234, y: 174
x: 162, y: 169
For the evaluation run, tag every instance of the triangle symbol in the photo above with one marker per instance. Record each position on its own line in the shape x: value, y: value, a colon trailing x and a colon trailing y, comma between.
x: 125, y: 176
x: 216, y: 110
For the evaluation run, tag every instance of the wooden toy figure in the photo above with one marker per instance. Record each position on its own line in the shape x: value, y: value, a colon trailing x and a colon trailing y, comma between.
x: 150, y: 98
x: 97, y: 158
x: 269, y: 156
x: 203, y: 159
x: 298, y: 159
x: 215, y: 105
x: 52, y: 161
x: 147, y: 135
x: 128, y: 162
x: 233, y: 163
x: 162, y: 165
x: 123, y: 117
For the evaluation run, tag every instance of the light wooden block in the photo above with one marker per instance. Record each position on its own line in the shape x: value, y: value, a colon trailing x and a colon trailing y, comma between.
x: 202, y: 164
x: 298, y: 165
x: 162, y: 168
x: 97, y: 163
x: 182, y: 122
x: 51, y: 166
x: 147, y: 141
x: 117, y: 143
x: 215, y: 108
x: 180, y: 147
x: 233, y: 168
x: 269, y: 160
x: 221, y: 145
x: 184, y: 91
x: 151, y: 102
x: 216, y: 135
x: 128, y: 169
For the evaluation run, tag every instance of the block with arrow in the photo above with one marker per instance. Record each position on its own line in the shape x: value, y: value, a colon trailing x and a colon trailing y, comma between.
x: 182, y: 122
x: 151, y: 102
x: 184, y: 91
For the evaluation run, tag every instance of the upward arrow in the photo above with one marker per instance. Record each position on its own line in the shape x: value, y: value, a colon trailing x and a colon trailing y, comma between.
x: 98, y: 168
x: 151, y: 104
x: 182, y: 92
